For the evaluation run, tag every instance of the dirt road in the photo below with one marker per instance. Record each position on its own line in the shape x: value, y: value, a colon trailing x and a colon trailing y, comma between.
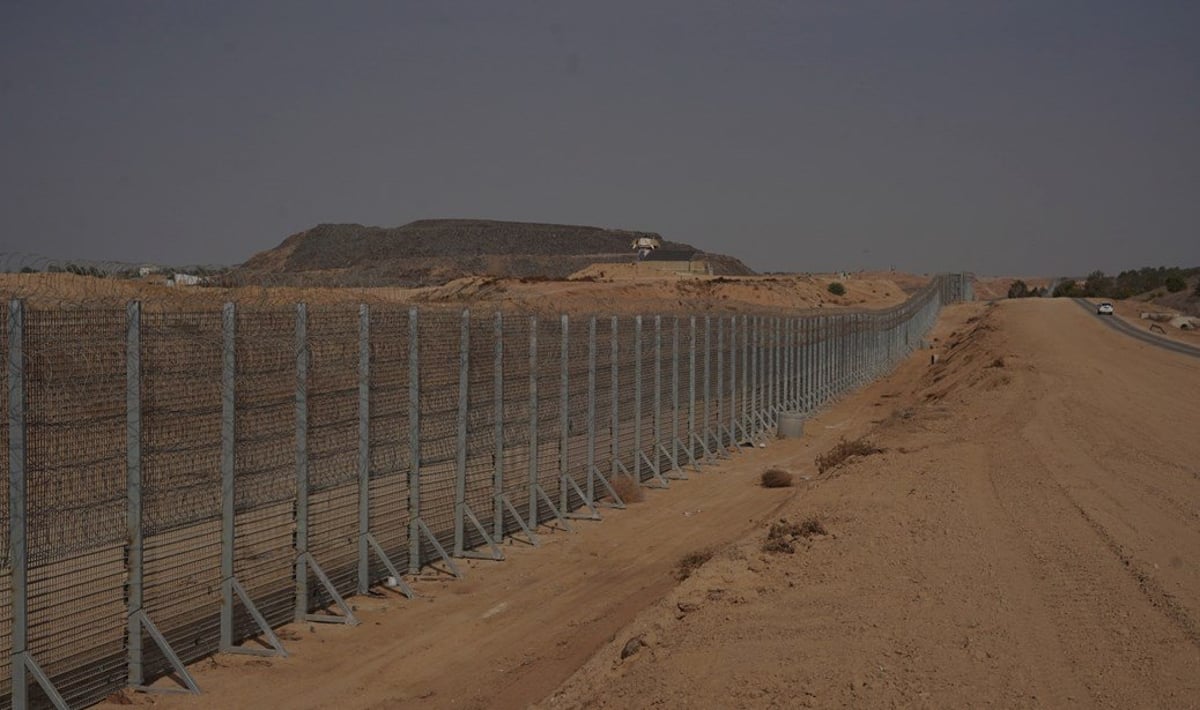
x: 1029, y: 538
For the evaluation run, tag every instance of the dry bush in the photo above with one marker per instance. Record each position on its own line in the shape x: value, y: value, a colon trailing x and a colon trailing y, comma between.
x: 812, y: 526
x: 776, y: 478
x: 782, y: 536
x: 843, y: 450
x: 691, y: 562
x: 998, y: 362
x: 628, y: 489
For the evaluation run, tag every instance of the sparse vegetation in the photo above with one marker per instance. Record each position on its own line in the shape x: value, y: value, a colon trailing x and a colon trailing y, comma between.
x: 1020, y: 289
x: 998, y: 362
x: 691, y: 562
x: 1128, y: 284
x: 776, y: 478
x: 628, y: 489
x: 837, y: 289
x: 782, y: 536
x: 844, y: 450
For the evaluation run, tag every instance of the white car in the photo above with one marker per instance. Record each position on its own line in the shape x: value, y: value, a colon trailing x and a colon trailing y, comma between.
x: 1104, y: 309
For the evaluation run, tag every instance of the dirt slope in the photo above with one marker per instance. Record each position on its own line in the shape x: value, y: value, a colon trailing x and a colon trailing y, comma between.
x: 1030, y: 538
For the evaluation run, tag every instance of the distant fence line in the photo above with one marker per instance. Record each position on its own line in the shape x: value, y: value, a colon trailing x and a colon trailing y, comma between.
x: 183, y: 482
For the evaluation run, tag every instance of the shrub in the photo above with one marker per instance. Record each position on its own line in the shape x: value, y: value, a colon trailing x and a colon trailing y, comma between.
x: 1065, y: 289
x: 783, y: 534
x: 1018, y: 289
x: 837, y: 289
x: 843, y: 450
x: 776, y: 478
x: 691, y: 562
x: 629, y: 490
x: 1175, y: 284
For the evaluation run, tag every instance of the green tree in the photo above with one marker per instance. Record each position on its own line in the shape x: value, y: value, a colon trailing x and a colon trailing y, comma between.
x: 1097, y: 284
x: 1065, y: 289
x: 1019, y: 289
x: 1175, y: 284
x: 837, y: 289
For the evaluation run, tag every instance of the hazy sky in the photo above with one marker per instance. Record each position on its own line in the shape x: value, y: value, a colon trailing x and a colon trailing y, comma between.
x: 1037, y: 137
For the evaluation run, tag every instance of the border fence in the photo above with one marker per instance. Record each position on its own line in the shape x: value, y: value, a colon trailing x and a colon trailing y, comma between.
x: 182, y: 483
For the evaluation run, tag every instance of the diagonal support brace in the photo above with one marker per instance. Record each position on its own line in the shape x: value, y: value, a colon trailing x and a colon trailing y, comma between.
x: 496, y: 554
x: 400, y: 585
x: 512, y: 510
x: 423, y: 529
x: 347, y: 616
x: 676, y: 472
x: 276, y: 648
x: 540, y: 492
x: 189, y: 683
x: 589, y: 504
x: 617, y: 502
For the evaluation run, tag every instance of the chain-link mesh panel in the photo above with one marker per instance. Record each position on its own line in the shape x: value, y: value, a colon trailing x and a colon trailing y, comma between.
x: 333, y: 439
x: 481, y: 424
x: 390, y: 450
x: 626, y: 395
x: 265, y: 457
x: 181, y: 479
x: 5, y: 566
x: 439, y: 343
x: 75, y: 371
x: 76, y: 493
x: 515, y: 458
x: 549, y: 375
x: 602, y: 422
x: 576, y: 433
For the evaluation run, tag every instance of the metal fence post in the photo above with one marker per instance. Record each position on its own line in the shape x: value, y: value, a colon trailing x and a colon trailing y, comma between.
x: 533, y: 422
x: 657, y: 392
x: 746, y: 376
x: 675, y: 389
x: 772, y: 346
x: 707, y: 436
x: 301, y: 461
x: 755, y: 370
x: 364, y: 446
x: 733, y: 400
x: 228, y: 434
x: 460, y: 433
x: 17, y: 552
x: 614, y: 395
x: 720, y: 381
x: 133, y: 485
x: 414, y: 442
x: 691, y: 439
x: 498, y: 428
x: 591, y: 411
x: 637, y: 398
x: 564, y: 417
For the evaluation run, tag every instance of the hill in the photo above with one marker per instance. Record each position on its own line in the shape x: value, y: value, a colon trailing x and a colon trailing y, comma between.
x: 435, y: 251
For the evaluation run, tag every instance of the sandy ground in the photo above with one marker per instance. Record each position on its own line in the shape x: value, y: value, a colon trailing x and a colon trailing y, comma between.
x: 1130, y: 311
x: 645, y: 292
x: 1029, y: 538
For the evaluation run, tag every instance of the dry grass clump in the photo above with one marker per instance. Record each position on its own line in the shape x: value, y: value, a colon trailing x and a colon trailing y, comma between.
x: 782, y: 536
x: 776, y: 478
x: 628, y: 489
x: 691, y: 562
x: 998, y: 362
x: 844, y: 450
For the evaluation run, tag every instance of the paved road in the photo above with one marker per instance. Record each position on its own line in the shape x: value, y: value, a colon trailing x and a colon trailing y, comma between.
x: 1121, y: 326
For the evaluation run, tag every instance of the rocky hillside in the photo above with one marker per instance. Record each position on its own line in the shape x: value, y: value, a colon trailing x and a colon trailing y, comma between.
x: 437, y: 250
